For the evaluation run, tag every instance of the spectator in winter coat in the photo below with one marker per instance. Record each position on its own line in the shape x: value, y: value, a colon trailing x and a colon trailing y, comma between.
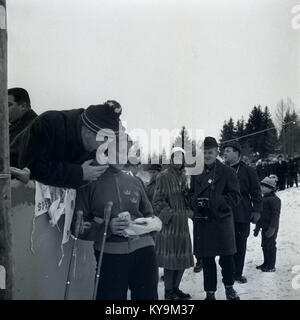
x: 269, y: 222
x: 59, y: 146
x: 249, y: 207
x: 281, y: 172
x: 262, y: 169
x: 293, y: 169
x: 173, y: 243
x: 215, y: 193
x: 20, y: 114
x: 128, y: 262
x: 153, y: 170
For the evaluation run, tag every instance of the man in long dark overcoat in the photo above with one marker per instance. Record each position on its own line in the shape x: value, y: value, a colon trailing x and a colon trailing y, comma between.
x: 215, y: 192
x: 249, y: 208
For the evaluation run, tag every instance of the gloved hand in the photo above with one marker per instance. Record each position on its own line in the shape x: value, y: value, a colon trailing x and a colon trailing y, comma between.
x: 270, y: 232
x: 256, y: 231
x: 255, y: 216
x: 118, y: 225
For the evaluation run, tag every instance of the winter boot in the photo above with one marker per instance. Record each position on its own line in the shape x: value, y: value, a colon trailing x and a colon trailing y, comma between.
x: 198, y: 267
x: 261, y: 266
x: 265, y: 253
x: 181, y: 295
x: 268, y: 269
x: 171, y: 295
x: 210, y: 295
x: 231, y: 294
x: 240, y: 279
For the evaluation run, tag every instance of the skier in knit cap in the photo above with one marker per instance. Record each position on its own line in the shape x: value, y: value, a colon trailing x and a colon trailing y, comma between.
x: 129, y: 259
x: 59, y: 146
x: 269, y: 223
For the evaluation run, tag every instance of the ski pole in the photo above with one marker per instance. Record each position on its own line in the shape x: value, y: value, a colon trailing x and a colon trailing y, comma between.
x: 107, y: 214
x: 79, y: 216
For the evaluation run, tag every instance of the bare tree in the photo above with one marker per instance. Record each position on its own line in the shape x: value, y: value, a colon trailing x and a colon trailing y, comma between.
x: 284, y: 108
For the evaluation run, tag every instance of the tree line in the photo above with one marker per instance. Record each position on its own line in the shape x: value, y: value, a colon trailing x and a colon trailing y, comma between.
x: 262, y: 135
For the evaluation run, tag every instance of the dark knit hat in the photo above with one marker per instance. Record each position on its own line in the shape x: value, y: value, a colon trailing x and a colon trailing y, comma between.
x: 210, y: 142
x: 233, y: 144
x: 103, y: 116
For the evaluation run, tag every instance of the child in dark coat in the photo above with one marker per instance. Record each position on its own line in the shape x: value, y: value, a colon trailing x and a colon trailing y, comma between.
x: 269, y: 223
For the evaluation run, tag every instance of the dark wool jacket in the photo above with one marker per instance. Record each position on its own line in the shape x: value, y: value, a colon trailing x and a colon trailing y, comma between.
x: 51, y: 147
x: 271, y: 211
x: 250, y: 191
x: 127, y: 194
x: 281, y: 169
x: 150, y: 188
x: 215, y: 236
x: 293, y: 167
x: 16, y: 128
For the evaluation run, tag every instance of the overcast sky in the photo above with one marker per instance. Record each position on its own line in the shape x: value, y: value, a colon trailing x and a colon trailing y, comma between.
x: 169, y: 63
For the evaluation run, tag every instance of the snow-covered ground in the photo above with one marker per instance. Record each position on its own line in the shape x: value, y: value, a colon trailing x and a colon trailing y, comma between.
x: 262, y: 286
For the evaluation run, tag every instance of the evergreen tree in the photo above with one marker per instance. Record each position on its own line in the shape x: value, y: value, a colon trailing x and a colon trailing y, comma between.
x: 163, y: 157
x: 263, y: 141
x: 254, y: 124
x: 269, y: 136
x: 184, y: 141
x: 228, y: 131
x: 240, y: 128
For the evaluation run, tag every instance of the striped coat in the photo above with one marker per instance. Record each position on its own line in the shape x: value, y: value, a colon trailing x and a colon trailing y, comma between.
x: 173, y: 243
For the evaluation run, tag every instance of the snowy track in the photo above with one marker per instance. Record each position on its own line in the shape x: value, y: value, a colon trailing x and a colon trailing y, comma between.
x: 262, y: 286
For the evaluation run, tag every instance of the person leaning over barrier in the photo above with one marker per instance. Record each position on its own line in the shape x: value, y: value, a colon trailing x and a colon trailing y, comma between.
x: 129, y: 260
x: 214, y: 194
x: 59, y: 146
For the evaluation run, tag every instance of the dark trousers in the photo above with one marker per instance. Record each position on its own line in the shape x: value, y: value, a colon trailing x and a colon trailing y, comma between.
x: 269, y: 248
x: 172, y: 279
x: 292, y: 179
x: 281, y: 182
x: 137, y: 271
x: 242, y: 231
x: 210, y: 272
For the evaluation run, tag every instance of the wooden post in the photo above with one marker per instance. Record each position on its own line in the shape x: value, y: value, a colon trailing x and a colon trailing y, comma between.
x: 6, y: 265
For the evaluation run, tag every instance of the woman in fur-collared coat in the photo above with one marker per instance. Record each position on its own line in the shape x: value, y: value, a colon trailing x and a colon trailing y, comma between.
x: 173, y: 243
